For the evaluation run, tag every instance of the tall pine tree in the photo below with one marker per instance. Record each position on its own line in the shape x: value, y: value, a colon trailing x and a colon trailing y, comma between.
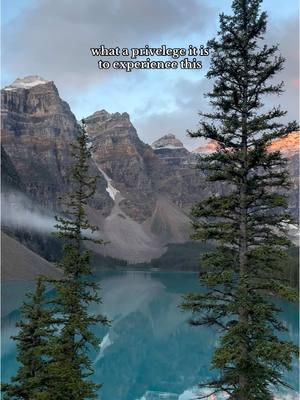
x: 247, y: 222
x: 32, y: 380
x: 56, y: 336
x: 71, y: 367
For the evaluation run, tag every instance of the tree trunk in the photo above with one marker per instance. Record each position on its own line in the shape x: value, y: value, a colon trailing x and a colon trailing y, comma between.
x: 243, y: 313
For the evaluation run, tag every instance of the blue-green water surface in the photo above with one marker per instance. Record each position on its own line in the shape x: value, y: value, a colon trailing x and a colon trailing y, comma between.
x: 149, y: 352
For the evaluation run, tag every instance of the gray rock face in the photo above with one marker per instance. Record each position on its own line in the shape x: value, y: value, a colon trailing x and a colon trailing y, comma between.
x: 144, y: 193
x: 10, y: 179
x: 118, y: 151
x: 171, y: 150
x: 169, y: 141
x: 181, y: 182
x: 139, y: 172
x: 142, y: 173
x: 37, y: 129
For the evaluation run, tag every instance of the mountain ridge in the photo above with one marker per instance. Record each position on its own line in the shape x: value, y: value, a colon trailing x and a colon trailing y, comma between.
x: 144, y: 193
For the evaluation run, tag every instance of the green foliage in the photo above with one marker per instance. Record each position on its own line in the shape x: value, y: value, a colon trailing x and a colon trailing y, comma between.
x: 289, y: 268
x: 55, y: 337
x: 247, y: 223
x: 71, y: 367
x: 178, y: 257
x: 100, y: 262
x: 32, y: 379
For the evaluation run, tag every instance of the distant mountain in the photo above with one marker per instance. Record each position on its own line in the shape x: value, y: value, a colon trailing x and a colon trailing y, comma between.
x: 37, y: 129
x: 171, y: 150
x: 127, y: 161
x: 209, y: 147
x: 289, y: 146
x: 144, y: 192
x: 144, y: 217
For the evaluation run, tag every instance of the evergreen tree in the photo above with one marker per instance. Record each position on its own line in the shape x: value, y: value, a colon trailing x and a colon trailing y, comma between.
x: 32, y: 379
x: 71, y: 366
x: 248, y: 222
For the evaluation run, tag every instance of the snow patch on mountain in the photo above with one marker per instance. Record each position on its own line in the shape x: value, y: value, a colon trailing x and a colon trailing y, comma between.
x: 111, y: 190
x: 27, y: 82
x: 106, y: 342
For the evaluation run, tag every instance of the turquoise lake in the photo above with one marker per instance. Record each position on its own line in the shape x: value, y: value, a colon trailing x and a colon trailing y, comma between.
x: 150, y: 352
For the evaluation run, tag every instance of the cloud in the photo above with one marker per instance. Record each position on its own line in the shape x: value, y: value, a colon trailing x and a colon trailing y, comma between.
x: 188, y: 94
x: 286, y: 34
x: 188, y: 101
x: 54, y: 40
x: 18, y: 211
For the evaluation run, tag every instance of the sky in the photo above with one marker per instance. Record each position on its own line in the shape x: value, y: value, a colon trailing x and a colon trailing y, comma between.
x: 52, y: 39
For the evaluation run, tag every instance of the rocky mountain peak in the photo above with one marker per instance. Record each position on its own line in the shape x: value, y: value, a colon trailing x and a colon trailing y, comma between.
x: 170, y: 150
x: 206, y: 148
x: 119, y: 153
x: 143, y: 192
x: 37, y: 128
x: 288, y: 145
x: 27, y: 82
x: 169, y: 141
x: 101, y: 121
x: 35, y: 97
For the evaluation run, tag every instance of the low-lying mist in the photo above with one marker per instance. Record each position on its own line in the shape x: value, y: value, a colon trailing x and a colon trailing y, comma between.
x: 19, y: 211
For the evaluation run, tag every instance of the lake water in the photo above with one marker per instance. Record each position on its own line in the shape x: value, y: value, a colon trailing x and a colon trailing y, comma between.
x: 149, y: 352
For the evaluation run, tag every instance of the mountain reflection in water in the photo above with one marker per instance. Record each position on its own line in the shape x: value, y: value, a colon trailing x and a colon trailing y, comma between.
x: 149, y: 352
